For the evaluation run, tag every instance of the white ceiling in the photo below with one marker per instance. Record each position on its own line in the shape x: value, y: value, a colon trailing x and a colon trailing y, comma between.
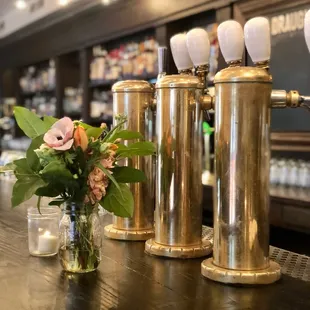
x: 7, y: 6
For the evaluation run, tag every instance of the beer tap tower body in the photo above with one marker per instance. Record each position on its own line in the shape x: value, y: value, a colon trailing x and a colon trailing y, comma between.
x: 134, y: 99
x: 243, y: 99
x: 178, y: 209
x: 242, y: 102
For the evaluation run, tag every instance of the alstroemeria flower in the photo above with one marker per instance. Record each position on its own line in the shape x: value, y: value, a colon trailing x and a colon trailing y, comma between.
x: 60, y: 136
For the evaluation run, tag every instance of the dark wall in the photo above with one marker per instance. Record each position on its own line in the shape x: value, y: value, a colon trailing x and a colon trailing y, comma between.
x: 290, y: 68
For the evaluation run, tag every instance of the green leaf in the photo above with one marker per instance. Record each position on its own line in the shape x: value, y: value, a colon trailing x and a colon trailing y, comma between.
x: 110, y: 136
x: 29, y: 122
x: 8, y: 167
x: 94, y: 132
x: 69, y: 157
x: 32, y: 158
x: 27, y: 182
x: 127, y: 135
x: 91, y: 131
x: 80, y: 160
x: 22, y: 162
x: 120, y: 203
x: 50, y: 120
x: 121, y: 148
x: 128, y: 175
x: 56, y: 202
x: 57, y: 175
x: 48, y: 191
x: 39, y: 204
x: 142, y: 148
x: 22, y: 169
x: 25, y: 188
x: 56, y: 172
x: 109, y: 175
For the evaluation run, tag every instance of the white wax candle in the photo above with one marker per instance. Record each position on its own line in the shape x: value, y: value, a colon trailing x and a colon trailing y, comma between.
x: 48, y: 243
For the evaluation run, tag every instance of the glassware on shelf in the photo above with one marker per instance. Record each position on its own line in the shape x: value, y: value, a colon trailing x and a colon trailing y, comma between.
x: 102, y: 105
x: 274, y: 171
x: 133, y: 59
x: 51, y: 75
x: 43, y: 231
x: 290, y: 172
x: 282, y: 166
x: 303, y: 172
x: 42, y: 104
x: 38, y: 78
x: 73, y: 100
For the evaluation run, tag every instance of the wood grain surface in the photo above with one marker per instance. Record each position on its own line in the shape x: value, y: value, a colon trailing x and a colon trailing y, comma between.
x: 127, y: 278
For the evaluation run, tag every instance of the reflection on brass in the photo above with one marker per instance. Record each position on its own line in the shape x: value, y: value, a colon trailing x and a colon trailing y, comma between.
x: 131, y: 235
x: 178, y: 210
x: 202, y: 249
x: 263, y: 65
x: 235, y: 63
x: 207, y: 102
x: 278, y: 99
x: 232, y: 276
x: 202, y: 72
x: 242, y: 156
x: 134, y: 99
x: 186, y: 71
x: 291, y: 99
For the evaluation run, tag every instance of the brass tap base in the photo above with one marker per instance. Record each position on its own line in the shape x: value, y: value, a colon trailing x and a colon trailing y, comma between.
x: 130, y: 235
x: 183, y: 252
x: 245, y: 277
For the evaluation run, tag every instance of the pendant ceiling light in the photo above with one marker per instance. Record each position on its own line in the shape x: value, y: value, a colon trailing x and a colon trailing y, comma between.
x: 20, y: 4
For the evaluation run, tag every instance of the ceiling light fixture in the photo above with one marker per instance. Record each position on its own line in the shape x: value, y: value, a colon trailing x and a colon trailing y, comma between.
x: 20, y: 4
x: 106, y: 2
x: 63, y: 2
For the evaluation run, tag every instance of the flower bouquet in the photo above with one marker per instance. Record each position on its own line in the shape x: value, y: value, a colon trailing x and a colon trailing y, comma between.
x: 76, y: 164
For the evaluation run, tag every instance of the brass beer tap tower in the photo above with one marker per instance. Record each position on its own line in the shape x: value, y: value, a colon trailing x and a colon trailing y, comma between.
x: 179, y: 107
x: 135, y: 99
x: 243, y: 98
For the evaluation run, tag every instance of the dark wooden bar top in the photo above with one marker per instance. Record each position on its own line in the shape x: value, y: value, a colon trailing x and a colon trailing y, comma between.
x: 127, y: 279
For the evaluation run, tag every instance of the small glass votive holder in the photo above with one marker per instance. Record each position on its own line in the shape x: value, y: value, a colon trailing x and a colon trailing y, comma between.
x: 43, y: 231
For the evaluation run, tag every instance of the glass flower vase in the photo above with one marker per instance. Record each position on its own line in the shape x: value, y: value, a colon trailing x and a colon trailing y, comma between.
x: 80, y: 238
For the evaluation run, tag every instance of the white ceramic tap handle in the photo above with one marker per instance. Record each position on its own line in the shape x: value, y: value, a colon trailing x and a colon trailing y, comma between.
x: 179, y: 52
x: 257, y: 39
x: 231, y: 40
x: 198, y: 46
x: 307, y: 29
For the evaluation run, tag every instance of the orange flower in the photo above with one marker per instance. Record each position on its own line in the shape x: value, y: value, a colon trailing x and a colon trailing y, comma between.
x: 80, y: 138
x: 113, y: 147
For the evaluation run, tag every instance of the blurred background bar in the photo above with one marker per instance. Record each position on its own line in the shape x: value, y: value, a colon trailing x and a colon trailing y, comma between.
x: 62, y: 57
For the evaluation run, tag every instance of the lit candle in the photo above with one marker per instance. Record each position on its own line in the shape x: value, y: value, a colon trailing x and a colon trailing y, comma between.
x: 48, y: 244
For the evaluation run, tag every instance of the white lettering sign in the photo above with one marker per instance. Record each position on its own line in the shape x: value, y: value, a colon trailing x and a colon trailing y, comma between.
x: 289, y: 22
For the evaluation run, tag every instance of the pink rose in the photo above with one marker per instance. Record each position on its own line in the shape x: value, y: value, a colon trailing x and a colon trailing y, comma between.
x: 60, y: 136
